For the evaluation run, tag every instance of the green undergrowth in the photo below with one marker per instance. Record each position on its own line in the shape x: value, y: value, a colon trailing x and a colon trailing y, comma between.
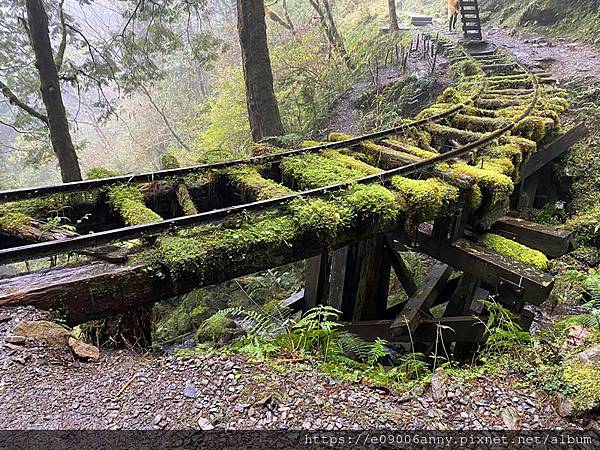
x: 514, y: 250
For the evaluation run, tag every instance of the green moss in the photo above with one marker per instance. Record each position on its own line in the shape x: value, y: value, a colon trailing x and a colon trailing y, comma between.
x: 534, y: 128
x: 452, y: 96
x: 465, y: 68
x: 262, y: 149
x: 97, y: 173
x: 373, y: 204
x: 514, y: 250
x: 204, y: 249
x: 309, y: 143
x: 169, y: 161
x: 586, y: 226
x: 424, y: 200
x: 320, y: 216
x: 502, y: 165
x: 12, y: 220
x: 497, y: 183
x: 478, y: 124
x: 128, y: 201
x: 311, y: 171
x: 185, y: 200
x: 251, y: 184
x: 411, y: 149
x: 216, y: 329
x: 586, y: 378
x: 351, y: 162
x: 474, y: 198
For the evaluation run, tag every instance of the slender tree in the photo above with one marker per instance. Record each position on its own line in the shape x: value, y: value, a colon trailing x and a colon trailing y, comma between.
x: 393, y: 15
x: 39, y: 34
x: 263, y: 111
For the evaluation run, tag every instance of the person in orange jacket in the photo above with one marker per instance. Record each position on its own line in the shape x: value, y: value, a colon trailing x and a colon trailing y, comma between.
x: 453, y: 13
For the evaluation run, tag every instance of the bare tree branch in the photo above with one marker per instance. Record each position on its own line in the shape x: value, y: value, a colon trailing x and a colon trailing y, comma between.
x: 60, y: 54
x: 14, y: 100
x: 164, y: 118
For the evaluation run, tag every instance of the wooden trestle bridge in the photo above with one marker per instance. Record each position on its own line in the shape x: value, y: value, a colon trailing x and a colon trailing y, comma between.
x: 464, y: 168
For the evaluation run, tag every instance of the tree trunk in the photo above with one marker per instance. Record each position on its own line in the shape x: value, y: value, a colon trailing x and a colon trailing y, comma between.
x: 393, y: 15
x: 51, y: 94
x: 263, y: 111
x: 333, y: 35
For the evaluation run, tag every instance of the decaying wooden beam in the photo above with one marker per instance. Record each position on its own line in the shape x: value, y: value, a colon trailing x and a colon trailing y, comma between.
x: 373, y: 281
x: 316, y: 284
x: 552, y: 151
x: 417, y: 307
x: 400, y: 269
x: 551, y: 241
x: 344, y: 280
x: 448, y: 329
x: 489, y: 267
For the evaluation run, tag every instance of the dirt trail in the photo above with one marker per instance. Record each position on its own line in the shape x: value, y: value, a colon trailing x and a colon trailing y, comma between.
x: 565, y: 59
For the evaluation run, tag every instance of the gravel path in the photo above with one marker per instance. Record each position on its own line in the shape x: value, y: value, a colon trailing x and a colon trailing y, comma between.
x: 43, y: 388
x: 566, y: 59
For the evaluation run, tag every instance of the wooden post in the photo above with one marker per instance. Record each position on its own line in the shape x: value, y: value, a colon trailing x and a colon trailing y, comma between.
x: 316, y: 281
x: 374, y: 279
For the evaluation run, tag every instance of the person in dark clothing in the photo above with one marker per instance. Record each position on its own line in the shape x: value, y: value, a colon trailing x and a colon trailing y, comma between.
x: 453, y: 13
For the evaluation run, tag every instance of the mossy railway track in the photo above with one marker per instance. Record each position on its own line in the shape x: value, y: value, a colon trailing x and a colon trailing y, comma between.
x: 455, y: 165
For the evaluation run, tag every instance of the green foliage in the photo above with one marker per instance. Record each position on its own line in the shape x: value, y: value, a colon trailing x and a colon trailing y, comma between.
x: 216, y: 329
x: 586, y: 379
x: 503, y: 334
x: 514, y: 250
x: 227, y: 131
x: 586, y: 226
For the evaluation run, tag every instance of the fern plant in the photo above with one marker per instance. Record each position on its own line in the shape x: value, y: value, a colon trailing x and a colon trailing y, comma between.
x: 591, y: 319
x: 503, y: 334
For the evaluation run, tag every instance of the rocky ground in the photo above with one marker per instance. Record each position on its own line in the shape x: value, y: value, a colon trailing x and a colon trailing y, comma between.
x: 49, y: 388
x: 566, y: 59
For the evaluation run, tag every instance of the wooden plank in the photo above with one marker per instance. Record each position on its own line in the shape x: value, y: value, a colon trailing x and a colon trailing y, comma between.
x: 552, y: 151
x: 316, y: 281
x: 374, y: 279
x: 461, y: 329
x: 527, y: 190
x: 461, y: 299
x: 418, y: 305
x: 551, y: 241
x: 343, y: 280
x: 489, y: 267
x: 295, y: 301
x: 401, y: 270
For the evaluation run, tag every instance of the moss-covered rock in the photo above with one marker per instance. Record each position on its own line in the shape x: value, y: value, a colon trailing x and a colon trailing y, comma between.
x: 217, y: 330
x: 586, y: 378
x: 586, y: 226
x: 514, y: 250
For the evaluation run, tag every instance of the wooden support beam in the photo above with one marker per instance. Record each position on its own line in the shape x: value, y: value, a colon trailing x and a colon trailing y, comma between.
x: 402, y: 272
x: 343, y: 281
x: 316, y: 282
x: 526, y: 193
x: 551, y: 241
x: 295, y: 301
x: 373, y: 280
x: 461, y: 299
x: 489, y: 267
x: 461, y: 329
x: 417, y: 307
x: 552, y: 151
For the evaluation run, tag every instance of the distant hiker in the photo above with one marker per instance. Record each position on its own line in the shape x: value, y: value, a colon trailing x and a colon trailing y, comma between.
x: 453, y: 13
